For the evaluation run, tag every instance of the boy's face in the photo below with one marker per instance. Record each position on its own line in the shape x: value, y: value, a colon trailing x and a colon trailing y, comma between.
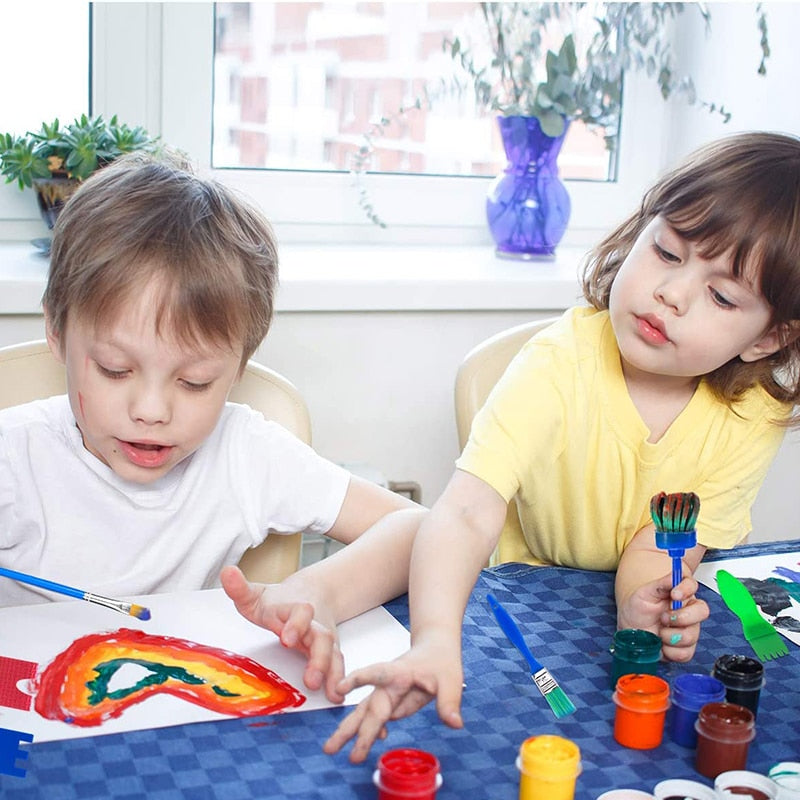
x: 678, y: 315
x: 143, y: 402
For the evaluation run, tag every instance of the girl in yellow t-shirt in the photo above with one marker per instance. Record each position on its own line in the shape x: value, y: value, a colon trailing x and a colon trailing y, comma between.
x: 681, y: 376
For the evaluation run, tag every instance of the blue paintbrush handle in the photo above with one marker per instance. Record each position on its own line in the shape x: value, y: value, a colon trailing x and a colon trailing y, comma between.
x: 510, y: 629
x: 22, y: 577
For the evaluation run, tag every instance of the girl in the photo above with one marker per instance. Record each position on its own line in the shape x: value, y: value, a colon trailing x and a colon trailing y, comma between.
x: 680, y: 376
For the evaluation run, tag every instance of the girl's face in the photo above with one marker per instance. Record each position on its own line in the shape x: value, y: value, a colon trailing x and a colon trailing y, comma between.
x: 143, y: 401
x: 678, y: 315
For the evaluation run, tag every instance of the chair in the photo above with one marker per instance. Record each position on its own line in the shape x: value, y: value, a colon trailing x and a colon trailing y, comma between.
x: 29, y: 371
x: 480, y: 370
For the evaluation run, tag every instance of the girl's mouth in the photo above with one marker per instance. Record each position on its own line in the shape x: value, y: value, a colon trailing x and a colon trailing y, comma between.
x: 651, y: 330
x: 146, y: 454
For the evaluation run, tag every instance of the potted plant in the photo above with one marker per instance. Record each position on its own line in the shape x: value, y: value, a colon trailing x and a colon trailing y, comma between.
x: 54, y: 160
x: 539, y: 67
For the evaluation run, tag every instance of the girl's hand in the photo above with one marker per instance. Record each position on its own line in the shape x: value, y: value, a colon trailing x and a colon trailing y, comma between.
x: 402, y: 687
x: 296, y: 624
x: 649, y: 608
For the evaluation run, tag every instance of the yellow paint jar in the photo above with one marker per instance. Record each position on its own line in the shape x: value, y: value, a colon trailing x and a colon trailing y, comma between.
x: 549, y: 767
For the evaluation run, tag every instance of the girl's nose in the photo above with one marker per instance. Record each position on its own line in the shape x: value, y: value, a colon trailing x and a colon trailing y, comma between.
x: 674, y: 291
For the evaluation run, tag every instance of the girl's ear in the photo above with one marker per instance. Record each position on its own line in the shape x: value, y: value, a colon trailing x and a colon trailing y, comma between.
x: 54, y: 340
x: 776, y: 338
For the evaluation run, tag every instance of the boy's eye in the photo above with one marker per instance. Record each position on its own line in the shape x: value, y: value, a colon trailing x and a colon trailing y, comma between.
x: 196, y: 387
x: 114, y: 374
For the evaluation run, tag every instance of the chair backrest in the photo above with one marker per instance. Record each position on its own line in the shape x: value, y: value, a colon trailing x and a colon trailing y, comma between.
x: 480, y: 370
x: 28, y: 371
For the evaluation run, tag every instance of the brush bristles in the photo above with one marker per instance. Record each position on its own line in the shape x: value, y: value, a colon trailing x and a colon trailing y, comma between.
x: 673, y: 513
x: 140, y: 612
x: 561, y: 704
x: 553, y: 693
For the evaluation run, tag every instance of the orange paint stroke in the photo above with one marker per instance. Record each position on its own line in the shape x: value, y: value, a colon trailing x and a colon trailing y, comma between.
x: 75, y: 686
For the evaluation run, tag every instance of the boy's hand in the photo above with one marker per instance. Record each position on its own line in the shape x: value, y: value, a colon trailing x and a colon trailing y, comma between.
x: 295, y: 623
x: 402, y: 687
x: 649, y: 608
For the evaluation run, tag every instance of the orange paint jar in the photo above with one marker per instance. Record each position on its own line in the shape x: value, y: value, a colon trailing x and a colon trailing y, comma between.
x: 642, y: 702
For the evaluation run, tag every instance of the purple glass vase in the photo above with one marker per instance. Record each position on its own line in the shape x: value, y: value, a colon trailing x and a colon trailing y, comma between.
x: 528, y: 206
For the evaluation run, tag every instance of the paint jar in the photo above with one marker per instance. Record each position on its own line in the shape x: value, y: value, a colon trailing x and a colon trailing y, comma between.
x: 635, y: 652
x: 745, y: 784
x: 724, y: 733
x: 642, y: 703
x: 787, y: 776
x: 625, y: 794
x: 742, y: 677
x: 680, y: 789
x: 689, y: 694
x: 407, y: 774
x: 548, y: 767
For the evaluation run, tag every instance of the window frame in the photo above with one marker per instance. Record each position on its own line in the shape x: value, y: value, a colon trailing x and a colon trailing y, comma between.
x: 170, y: 97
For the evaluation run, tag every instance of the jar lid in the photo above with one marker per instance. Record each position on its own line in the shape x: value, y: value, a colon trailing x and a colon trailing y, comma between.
x: 739, y: 672
x: 680, y: 789
x: 744, y: 779
x: 642, y: 692
x: 407, y: 772
x: 693, y: 690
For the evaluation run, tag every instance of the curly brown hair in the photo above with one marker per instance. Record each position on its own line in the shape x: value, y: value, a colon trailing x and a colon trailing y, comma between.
x: 145, y: 218
x: 740, y: 194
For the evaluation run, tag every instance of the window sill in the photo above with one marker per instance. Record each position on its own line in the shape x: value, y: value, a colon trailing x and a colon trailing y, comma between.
x: 333, y: 278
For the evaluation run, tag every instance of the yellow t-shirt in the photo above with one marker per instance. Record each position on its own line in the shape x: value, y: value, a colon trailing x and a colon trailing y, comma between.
x: 561, y: 436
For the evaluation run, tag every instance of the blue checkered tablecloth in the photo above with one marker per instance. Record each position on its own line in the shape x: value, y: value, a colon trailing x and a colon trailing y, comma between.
x: 567, y: 617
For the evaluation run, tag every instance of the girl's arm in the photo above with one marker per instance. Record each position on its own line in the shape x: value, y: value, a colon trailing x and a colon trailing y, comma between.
x: 453, y: 544
x: 643, y: 591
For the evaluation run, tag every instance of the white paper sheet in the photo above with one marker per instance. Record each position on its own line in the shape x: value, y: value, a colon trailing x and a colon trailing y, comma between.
x: 39, y: 633
x: 761, y: 568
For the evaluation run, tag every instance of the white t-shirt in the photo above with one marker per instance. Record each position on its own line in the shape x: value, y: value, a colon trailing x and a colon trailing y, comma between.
x: 65, y: 516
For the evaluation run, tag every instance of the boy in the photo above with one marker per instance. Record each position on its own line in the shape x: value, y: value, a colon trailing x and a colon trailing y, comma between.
x: 143, y: 478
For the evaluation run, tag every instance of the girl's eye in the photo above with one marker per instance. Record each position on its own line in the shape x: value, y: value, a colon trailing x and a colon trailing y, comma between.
x: 196, y: 387
x: 114, y: 374
x: 721, y: 300
x: 666, y: 255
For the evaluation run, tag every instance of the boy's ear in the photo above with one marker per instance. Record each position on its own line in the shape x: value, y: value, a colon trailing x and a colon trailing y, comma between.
x: 776, y: 338
x: 53, y: 338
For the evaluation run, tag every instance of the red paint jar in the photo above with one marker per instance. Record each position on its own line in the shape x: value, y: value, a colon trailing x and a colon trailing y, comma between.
x: 407, y: 774
x: 642, y: 703
x: 724, y: 733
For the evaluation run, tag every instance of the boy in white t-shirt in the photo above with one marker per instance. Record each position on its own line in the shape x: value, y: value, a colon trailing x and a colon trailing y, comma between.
x: 143, y: 478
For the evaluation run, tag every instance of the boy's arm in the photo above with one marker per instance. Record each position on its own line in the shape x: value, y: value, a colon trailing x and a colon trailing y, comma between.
x: 643, y: 591
x: 453, y: 544
x: 305, y: 608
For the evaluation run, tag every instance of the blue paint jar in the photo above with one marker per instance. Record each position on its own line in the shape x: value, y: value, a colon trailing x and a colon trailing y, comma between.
x: 689, y: 694
x: 635, y: 652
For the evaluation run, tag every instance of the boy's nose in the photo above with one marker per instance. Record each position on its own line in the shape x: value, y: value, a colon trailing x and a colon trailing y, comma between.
x: 151, y: 406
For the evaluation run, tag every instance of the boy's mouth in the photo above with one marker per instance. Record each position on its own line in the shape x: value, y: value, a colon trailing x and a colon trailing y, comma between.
x: 146, y: 454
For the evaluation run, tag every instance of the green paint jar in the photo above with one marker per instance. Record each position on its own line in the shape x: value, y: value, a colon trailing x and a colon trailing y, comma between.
x: 635, y: 652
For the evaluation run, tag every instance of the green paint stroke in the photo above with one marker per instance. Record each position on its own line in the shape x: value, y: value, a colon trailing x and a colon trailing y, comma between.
x: 159, y: 673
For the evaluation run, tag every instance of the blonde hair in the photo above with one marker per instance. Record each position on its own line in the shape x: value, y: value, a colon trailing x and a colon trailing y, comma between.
x: 145, y: 218
x: 740, y: 195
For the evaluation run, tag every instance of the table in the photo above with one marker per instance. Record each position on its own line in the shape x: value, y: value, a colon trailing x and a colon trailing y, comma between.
x: 568, y: 618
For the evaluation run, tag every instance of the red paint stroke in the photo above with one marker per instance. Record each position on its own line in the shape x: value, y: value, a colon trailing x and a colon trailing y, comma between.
x: 75, y: 686
x: 12, y: 671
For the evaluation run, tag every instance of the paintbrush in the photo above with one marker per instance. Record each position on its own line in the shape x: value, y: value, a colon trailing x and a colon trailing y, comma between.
x: 675, y: 516
x: 140, y: 612
x: 545, y: 682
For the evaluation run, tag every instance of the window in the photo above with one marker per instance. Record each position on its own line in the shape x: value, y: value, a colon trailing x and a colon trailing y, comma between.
x: 170, y: 91
x: 297, y: 86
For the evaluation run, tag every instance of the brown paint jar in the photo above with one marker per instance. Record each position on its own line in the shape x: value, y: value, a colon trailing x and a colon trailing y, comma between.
x: 724, y: 733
